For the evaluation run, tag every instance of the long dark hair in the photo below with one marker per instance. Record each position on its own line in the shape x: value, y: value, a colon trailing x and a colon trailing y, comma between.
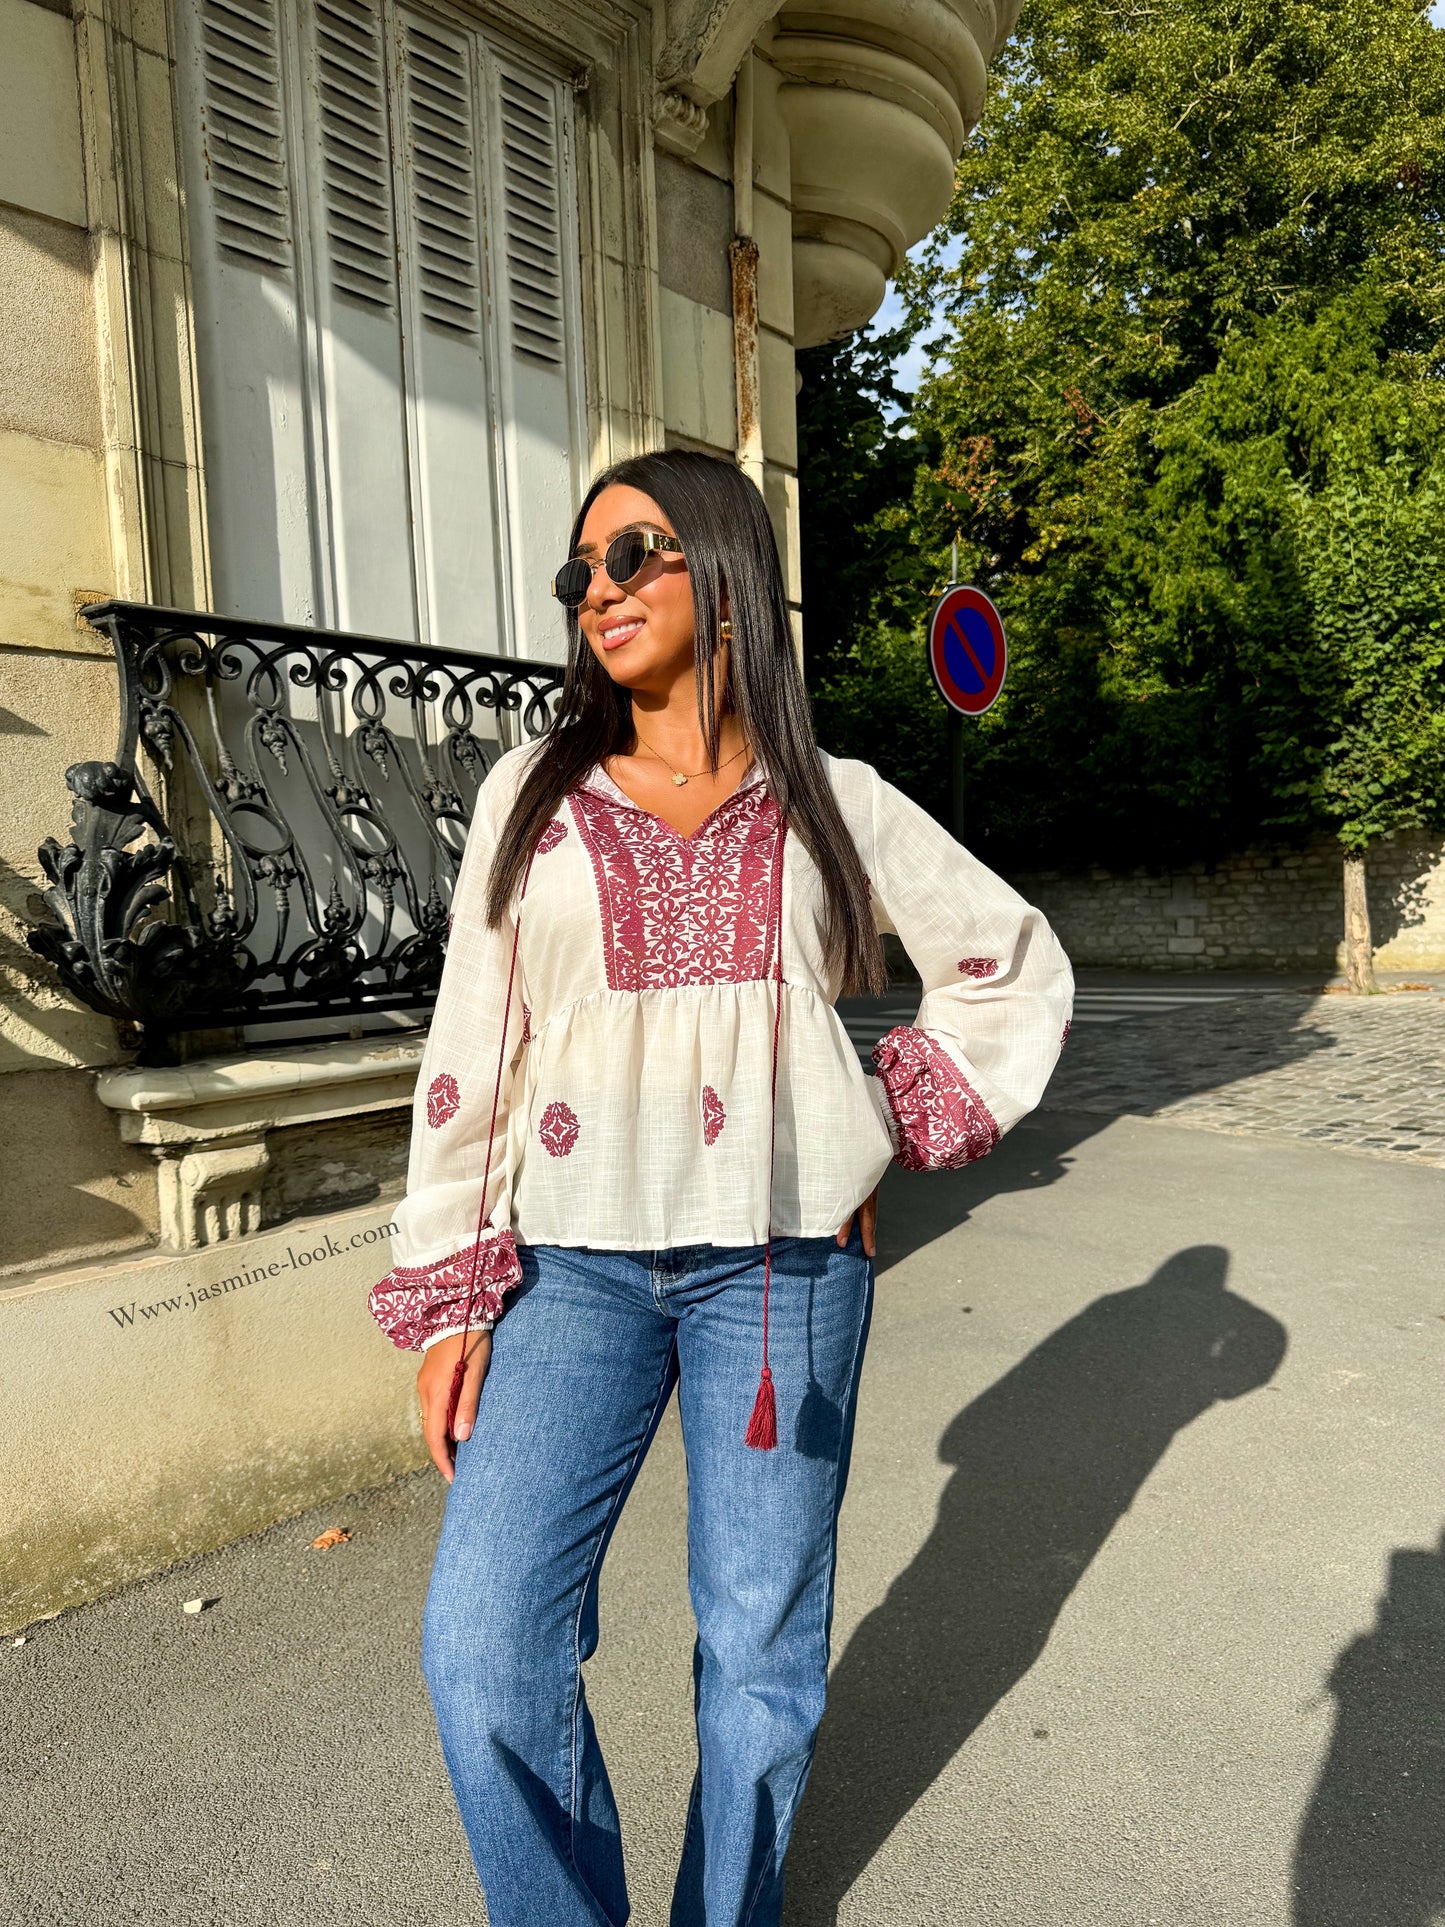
x: 727, y: 538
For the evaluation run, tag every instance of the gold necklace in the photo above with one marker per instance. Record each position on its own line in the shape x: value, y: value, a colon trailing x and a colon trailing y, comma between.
x: 677, y: 776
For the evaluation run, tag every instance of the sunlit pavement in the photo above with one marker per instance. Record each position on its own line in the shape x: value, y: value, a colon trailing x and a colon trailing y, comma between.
x: 1140, y: 1601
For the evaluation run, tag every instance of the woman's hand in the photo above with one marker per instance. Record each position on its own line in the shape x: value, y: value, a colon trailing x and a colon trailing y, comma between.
x: 434, y: 1389
x: 867, y: 1223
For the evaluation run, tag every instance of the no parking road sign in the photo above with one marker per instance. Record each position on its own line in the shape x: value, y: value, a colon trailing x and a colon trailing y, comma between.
x: 967, y: 653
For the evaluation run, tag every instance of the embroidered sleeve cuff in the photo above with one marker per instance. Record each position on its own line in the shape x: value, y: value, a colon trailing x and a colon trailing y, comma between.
x: 941, y: 1121
x: 415, y: 1303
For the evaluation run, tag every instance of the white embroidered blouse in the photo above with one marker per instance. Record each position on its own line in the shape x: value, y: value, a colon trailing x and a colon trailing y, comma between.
x: 631, y: 1077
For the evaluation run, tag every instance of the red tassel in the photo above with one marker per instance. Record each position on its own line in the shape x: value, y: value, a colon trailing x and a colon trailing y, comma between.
x: 762, y: 1432
x: 454, y: 1396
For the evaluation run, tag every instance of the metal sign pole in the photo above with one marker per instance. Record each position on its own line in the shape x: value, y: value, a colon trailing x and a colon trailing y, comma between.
x: 955, y: 734
x: 955, y: 764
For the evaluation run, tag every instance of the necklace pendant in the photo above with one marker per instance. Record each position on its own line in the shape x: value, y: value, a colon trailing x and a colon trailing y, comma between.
x: 678, y: 779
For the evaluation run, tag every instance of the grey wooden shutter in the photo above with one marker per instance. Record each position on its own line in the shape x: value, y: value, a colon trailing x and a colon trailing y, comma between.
x: 459, y: 531
x: 541, y: 407
x: 245, y: 133
x: 531, y: 194
x: 246, y: 195
x: 355, y: 145
x: 442, y: 176
x: 354, y: 303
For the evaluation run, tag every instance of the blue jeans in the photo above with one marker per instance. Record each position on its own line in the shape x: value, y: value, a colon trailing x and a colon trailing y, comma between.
x: 583, y: 1363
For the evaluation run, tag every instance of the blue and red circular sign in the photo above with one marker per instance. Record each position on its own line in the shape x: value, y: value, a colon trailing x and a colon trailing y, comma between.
x: 967, y: 653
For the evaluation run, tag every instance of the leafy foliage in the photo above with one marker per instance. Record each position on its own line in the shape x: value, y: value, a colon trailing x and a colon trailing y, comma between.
x: 1184, y: 418
x: 860, y: 481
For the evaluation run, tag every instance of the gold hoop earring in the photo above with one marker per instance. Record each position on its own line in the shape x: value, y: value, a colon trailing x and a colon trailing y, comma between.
x: 725, y: 629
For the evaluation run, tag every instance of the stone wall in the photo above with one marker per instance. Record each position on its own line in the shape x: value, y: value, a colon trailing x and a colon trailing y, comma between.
x: 1267, y: 909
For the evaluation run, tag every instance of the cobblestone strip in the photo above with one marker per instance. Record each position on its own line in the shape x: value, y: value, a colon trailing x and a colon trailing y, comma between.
x: 1362, y: 1074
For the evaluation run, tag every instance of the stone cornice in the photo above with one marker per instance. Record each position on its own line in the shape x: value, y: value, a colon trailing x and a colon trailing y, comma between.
x: 704, y: 43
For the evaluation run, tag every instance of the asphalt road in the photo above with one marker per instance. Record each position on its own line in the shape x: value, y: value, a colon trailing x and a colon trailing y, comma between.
x: 1140, y: 1607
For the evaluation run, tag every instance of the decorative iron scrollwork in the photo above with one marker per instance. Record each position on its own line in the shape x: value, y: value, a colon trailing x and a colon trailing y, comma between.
x: 333, y: 776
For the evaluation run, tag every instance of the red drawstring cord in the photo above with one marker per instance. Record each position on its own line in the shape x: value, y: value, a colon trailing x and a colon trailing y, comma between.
x: 461, y: 1366
x: 762, y: 1432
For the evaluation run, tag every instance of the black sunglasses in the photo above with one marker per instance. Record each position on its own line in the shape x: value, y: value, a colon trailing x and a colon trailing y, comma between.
x: 626, y: 558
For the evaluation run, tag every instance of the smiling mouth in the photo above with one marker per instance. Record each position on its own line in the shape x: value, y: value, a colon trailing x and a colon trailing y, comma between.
x: 617, y: 633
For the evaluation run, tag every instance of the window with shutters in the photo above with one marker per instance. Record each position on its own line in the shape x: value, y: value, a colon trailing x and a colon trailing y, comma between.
x: 384, y: 246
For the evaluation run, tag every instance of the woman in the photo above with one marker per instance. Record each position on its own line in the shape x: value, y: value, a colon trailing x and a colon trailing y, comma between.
x: 645, y: 1154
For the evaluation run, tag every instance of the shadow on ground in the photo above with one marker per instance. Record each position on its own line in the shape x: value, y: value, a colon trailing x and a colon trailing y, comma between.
x: 1048, y: 1460
x: 1372, y: 1847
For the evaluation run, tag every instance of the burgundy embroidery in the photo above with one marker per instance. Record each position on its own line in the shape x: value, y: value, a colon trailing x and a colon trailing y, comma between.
x: 413, y: 1301
x: 558, y: 1128
x: 683, y: 910
x: 526, y: 1024
x: 978, y: 966
x: 713, y: 1115
x: 551, y: 836
x: 443, y: 1100
x: 942, y: 1121
x: 1068, y: 1026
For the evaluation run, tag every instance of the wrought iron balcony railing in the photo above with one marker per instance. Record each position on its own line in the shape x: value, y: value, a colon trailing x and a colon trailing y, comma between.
x: 313, y: 798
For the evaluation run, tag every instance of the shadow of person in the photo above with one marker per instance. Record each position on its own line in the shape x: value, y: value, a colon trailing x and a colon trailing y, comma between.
x: 1048, y: 1459
x: 1372, y: 1846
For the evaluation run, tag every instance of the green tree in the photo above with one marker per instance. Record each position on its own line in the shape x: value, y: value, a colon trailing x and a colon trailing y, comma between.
x: 1295, y: 539
x: 860, y: 480
x: 1183, y: 421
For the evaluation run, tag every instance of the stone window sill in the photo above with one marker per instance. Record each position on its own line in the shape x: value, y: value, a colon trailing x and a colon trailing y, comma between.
x: 206, y: 1123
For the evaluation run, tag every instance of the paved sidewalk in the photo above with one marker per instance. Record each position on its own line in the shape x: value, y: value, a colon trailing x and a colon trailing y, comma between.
x: 1364, y: 1074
